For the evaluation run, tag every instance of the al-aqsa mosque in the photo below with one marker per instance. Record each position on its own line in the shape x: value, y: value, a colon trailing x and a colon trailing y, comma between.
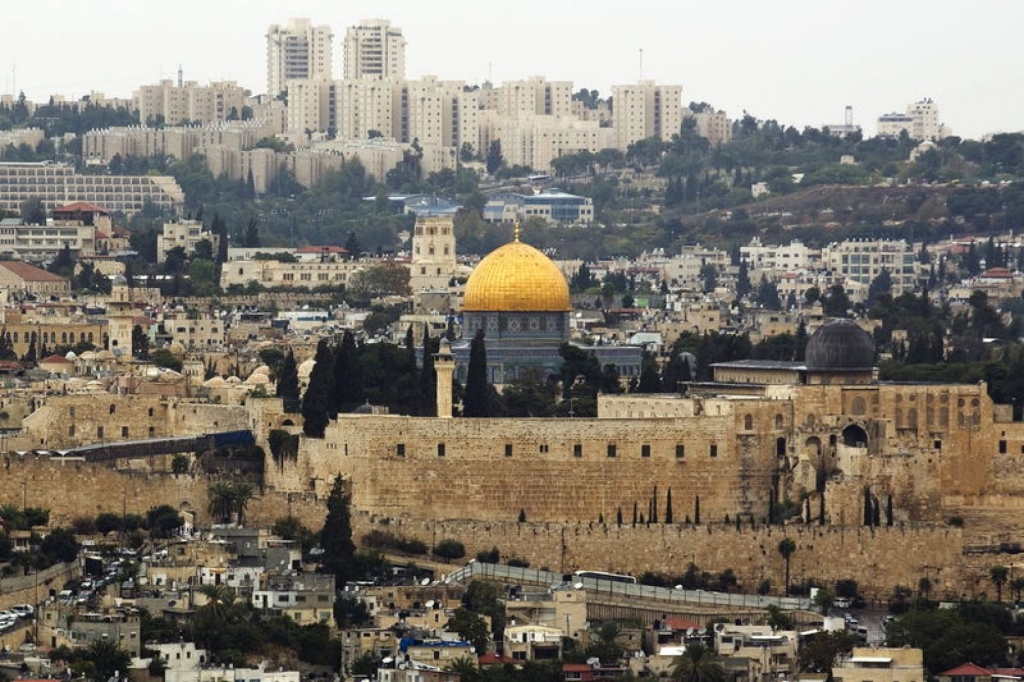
x: 520, y: 299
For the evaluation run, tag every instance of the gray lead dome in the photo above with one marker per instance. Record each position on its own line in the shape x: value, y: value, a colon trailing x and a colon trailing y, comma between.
x: 839, y: 345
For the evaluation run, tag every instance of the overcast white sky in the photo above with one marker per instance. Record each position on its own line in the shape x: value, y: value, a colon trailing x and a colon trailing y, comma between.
x: 797, y: 61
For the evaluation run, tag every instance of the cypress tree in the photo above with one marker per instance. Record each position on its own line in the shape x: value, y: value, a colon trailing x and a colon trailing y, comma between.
x: 336, y: 535
x: 821, y: 509
x: 316, y: 401
x: 410, y: 344
x: 618, y: 516
x: 876, y: 516
x: 634, y: 512
x: 288, y: 384
x: 888, y: 511
x: 654, y: 506
x: 696, y: 511
x: 348, y: 382
x: 474, y: 404
x: 668, y: 507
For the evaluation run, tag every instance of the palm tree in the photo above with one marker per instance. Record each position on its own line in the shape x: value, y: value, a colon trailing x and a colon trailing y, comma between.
x: 697, y: 664
x: 999, y: 574
x: 222, y: 501
x: 219, y: 598
x: 466, y: 668
x: 242, y: 493
x: 1017, y: 587
x: 786, y: 549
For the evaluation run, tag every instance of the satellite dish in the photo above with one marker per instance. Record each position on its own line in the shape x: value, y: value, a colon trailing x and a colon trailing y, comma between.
x: 679, y: 587
x: 388, y: 660
x: 578, y: 586
x: 425, y: 582
x: 430, y: 604
x: 689, y: 632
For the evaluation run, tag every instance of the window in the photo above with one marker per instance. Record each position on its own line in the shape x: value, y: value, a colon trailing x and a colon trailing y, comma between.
x: 543, y: 447
x: 113, y: 409
x: 151, y: 412
x: 937, y: 445
x: 577, y: 450
x: 99, y: 432
x: 152, y: 432
x: 680, y: 451
x: 400, y: 450
x: 440, y: 449
x: 124, y: 431
x: 714, y: 450
x: 508, y: 449
x: 645, y: 450
x: 71, y: 431
x: 1002, y: 447
x: 611, y: 449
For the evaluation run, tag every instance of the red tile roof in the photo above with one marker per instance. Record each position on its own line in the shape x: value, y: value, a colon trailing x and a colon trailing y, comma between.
x: 81, y: 206
x: 967, y: 670
x: 492, y: 658
x: 56, y: 358
x: 29, y: 273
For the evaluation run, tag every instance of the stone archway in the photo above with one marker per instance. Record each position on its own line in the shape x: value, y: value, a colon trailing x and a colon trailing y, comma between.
x: 854, y: 436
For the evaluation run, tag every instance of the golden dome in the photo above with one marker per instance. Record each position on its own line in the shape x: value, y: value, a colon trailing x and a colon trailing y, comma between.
x: 516, y: 278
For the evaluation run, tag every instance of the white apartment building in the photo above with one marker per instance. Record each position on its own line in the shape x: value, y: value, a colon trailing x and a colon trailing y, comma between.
x: 535, y: 140
x: 535, y: 95
x: 101, y: 145
x: 310, y: 105
x: 862, y: 261
x: 784, y: 257
x: 920, y: 121
x: 713, y: 126
x: 364, y: 105
x: 189, y: 101
x: 645, y: 110
x: 437, y: 113
x: 186, y: 234
x: 56, y: 184
x: 297, y: 50
x: 374, y: 49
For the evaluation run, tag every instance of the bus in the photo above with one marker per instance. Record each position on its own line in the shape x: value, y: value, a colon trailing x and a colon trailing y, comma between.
x: 601, y: 575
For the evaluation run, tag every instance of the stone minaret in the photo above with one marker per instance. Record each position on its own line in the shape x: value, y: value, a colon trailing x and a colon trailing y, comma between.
x: 444, y: 367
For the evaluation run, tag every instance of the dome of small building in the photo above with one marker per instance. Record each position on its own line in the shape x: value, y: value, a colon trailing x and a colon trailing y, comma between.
x: 840, y: 346
x: 516, y: 278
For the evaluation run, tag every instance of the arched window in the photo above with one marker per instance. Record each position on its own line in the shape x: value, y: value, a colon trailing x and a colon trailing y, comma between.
x: 748, y: 422
x: 113, y: 408
x: 779, y: 422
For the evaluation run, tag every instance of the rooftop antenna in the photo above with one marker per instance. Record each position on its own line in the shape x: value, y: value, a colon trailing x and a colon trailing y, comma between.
x: 641, y: 63
x: 180, y: 76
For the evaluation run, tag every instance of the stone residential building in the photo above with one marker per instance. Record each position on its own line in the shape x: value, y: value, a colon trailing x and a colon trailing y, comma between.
x: 920, y: 121
x: 882, y: 664
x: 373, y: 49
x: 189, y: 101
x: 304, y: 597
x: 298, y: 49
x: 645, y: 110
x: 185, y: 234
x: 56, y: 184
x: 533, y: 642
x: 26, y: 279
